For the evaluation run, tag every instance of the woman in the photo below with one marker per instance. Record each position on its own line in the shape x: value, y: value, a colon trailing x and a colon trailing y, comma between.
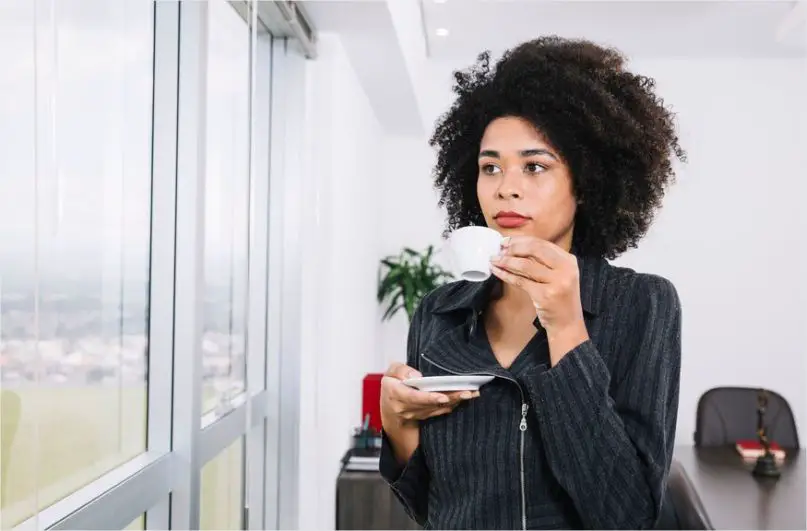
x: 568, y: 155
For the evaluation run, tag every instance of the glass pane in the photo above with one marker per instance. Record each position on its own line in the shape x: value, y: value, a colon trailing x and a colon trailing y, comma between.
x: 75, y: 125
x: 222, y: 500
x: 138, y: 524
x: 226, y: 207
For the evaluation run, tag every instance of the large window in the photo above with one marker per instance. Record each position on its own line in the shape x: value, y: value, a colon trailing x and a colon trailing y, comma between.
x: 75, y: 123
x: 134, y: 258
x: 226, y: 207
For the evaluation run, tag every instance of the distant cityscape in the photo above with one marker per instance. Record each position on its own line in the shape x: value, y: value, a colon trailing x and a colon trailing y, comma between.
x: 85, y: 338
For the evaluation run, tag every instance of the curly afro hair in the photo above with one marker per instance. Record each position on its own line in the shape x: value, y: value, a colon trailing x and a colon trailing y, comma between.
x: 612, y: 130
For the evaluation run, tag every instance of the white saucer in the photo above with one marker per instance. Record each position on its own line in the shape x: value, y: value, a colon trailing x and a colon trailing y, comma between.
x: 448, y: 383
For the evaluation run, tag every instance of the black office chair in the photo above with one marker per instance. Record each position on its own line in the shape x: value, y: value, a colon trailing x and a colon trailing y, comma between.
x: 682, y: 507
x: 726, y: 415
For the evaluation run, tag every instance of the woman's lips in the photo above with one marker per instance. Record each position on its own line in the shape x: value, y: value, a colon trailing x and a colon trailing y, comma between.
x: 511, y: 221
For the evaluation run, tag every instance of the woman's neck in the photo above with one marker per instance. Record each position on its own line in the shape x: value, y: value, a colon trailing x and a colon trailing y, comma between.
x: 513, y: 307
x: 516, y: 298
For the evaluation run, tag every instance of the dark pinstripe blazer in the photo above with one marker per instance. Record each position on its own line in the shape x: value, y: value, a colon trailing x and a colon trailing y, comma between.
x: 584, y: 444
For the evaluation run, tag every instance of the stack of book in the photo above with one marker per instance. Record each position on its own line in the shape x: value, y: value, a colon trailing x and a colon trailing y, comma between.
x: 361, y: 460
x: 751, y: 450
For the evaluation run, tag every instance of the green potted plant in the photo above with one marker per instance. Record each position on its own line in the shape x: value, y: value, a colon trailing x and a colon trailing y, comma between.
x: 405, y: 279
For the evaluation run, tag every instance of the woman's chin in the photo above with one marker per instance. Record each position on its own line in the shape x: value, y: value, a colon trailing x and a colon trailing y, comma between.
x: 513, y: 231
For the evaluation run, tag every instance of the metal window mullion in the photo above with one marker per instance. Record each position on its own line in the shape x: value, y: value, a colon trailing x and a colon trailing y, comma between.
x: 189, y: 286
x: 250, y: 461
x: 120, y: 496
x: 258, y: 233
x: 163, y: 226
x: 220, y: 435
x: 274, y: 287
x: 287, y: 181
x: 112, y: 501
x: 258, y: 279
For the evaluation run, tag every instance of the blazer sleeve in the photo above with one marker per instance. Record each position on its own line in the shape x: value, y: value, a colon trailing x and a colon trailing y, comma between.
x: 609, y: 437
x: 409, y: 482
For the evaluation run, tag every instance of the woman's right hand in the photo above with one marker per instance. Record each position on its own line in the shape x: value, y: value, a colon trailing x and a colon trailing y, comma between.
x: 403, y: 405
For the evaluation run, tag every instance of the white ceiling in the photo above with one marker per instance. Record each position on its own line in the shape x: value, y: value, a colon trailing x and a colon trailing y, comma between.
x: 407, y: 96
x: 370, y: 42
x: 743, y: 29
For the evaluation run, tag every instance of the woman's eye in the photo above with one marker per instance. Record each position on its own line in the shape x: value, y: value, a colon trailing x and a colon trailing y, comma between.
x: 490, y: 169
x: 534, y: 167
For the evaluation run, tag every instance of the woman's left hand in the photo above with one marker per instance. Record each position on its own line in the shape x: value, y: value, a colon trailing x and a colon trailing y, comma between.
x: 551, y: 278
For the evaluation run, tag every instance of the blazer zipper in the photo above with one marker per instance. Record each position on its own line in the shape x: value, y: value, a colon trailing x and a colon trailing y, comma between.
x: 522, y: 428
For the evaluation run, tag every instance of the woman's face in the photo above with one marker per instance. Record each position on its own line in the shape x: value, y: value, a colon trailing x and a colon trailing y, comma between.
x: 524, y: 187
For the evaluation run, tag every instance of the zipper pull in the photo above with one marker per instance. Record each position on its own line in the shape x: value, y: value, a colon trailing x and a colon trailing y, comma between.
x: 523, y: 425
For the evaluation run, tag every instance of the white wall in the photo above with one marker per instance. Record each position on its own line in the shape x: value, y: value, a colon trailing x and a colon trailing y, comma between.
x: 731, y: 234
x: 411, y: 218
x: 339, y: 227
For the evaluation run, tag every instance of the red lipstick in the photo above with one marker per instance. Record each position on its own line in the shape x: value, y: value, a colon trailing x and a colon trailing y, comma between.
x: 510, y: 220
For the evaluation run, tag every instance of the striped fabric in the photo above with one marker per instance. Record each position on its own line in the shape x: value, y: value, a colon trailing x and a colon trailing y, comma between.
x: 596, y: 439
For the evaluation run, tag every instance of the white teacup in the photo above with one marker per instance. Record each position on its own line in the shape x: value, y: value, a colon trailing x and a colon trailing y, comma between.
x: 472, y: 248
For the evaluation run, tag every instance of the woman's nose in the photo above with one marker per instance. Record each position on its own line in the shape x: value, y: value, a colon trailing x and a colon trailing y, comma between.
x: 508, y: 188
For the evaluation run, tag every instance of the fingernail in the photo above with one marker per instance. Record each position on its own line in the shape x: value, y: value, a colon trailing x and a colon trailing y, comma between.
x: 442, y: 399
x: 414, y: 374
x: 466, y: 395
x: 495, y: 258
x: 506, y: 241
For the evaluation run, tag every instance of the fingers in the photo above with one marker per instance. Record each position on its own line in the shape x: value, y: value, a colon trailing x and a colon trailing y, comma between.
x: 441, y: 411
x: 506, y: 276
x: 543, y: 251
x: 524, y: 267
x: 401, y: 371
x: 458, y: 396
x: 455, y: 397
x: 414, y: 397
x: 411, y: 404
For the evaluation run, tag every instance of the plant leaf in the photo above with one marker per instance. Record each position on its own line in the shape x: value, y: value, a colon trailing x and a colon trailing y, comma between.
x: 395, y: 300
x: 409, y: 294
x: 408, y: 278
x: 427, y: 256
x: 392, y: 310
x: 389, y: 283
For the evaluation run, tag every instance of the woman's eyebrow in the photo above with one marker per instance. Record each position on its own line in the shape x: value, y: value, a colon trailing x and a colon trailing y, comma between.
x: 536, y: 152
x: 524, y: 153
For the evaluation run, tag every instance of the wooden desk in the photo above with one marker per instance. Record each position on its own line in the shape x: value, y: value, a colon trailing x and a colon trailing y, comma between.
x: 365, y: 501
x: 734, y: 499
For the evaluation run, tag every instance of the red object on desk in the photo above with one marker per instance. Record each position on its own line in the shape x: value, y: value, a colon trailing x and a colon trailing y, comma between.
x: 371, y: 400
x: 754, y: 449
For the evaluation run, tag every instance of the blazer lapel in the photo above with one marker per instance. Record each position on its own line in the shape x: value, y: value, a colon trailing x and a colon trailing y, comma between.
x: 452, y: 352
